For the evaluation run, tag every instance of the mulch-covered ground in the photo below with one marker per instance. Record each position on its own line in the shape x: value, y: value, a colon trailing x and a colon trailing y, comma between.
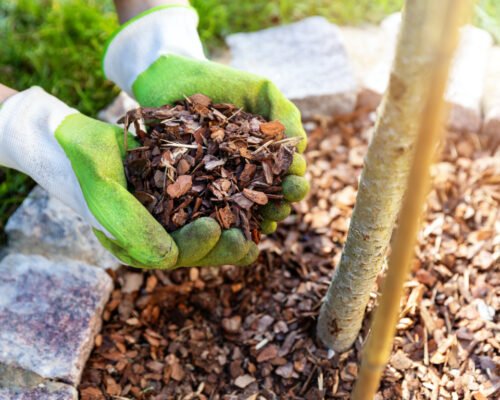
x: 234, y: 333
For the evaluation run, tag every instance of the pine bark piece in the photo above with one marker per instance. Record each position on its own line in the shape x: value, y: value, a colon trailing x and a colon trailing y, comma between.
x: 180, y: 187
x: 255, y: 196
x: 199, y: 159
x: 273, y: 128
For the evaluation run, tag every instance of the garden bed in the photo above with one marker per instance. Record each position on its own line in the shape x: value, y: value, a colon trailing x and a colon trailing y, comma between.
x: 249, y: 333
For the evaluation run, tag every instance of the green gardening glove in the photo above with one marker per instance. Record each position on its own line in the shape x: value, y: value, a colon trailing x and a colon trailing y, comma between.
x: 165, y: 63
x: 79, y: 161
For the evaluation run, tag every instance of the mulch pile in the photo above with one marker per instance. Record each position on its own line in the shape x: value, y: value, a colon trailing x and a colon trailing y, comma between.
x: 200, y: 159
x: 248, y: 333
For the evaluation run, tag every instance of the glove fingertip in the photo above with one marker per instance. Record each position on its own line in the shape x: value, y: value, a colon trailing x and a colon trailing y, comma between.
x: 196, y: 240
x: 268, y: 226
x: 276, y: 210
x: 231, y: 247
x: 301, y: 146
x: 250, y: 257
x: 295, y: 188
x: 299, y: 165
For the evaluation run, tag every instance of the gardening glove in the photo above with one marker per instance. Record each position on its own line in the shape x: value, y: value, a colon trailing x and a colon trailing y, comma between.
x: 79, y: 161
x: 158, y: 58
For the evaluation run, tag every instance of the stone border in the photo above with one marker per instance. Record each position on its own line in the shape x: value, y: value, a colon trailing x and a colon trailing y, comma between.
x: 53, y: 289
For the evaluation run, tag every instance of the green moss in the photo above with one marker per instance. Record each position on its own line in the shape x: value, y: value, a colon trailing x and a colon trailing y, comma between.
x: 56, y: 45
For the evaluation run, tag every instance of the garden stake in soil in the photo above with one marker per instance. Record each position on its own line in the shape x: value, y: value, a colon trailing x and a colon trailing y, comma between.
x: 198, y: 159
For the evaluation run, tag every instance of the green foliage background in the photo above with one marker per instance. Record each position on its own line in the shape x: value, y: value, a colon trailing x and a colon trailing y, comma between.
x: 57, y: 44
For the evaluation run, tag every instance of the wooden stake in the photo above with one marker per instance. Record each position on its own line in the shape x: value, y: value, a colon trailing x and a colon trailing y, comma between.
x: 439, y: 22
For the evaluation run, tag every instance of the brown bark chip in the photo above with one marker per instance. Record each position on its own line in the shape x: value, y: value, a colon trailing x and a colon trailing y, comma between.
x: 180, y: 187
x: 248, y: 333
x: 273, y: 128
x: 202, y: 159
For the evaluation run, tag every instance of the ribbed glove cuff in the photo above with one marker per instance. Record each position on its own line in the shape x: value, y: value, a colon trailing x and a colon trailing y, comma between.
x: 28, y: 123
x: 140, y: 42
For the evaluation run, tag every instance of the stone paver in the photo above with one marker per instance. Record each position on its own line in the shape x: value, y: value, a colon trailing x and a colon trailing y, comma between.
x: 18, y: 384
x: 3, y: 252
x: 49, y: 314
x: 48, y: 391
x: 372, y: 50
x: 365, y: 47
x: 43, y: 225
x: 466, y: 84
x: 306, y: 60
x: 491, y: 97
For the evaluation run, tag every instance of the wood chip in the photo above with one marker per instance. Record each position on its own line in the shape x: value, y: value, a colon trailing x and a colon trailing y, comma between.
x: 268, y: 353
x: 232, y: 325
x: 243, y: 381
x: 255, y: 196
x: 180, y: 187
x: 273, y: 128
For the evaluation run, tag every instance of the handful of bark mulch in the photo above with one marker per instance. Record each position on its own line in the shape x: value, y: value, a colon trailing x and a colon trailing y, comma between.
x: 200, y: 159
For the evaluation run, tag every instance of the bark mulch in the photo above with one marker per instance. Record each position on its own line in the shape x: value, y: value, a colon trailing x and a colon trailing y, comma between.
x: 199, y: 159
x: 248, y: 333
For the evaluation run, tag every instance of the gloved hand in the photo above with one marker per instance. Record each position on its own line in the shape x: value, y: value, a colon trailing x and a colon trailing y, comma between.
x: 79, y: 161
x: 158, y: 59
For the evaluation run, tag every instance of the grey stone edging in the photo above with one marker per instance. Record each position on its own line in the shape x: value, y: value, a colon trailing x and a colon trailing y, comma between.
x: 43, y: 225
x: 51, y: 293
x: 306, y: 60
x: 19, y: 384
x: 50, y: 312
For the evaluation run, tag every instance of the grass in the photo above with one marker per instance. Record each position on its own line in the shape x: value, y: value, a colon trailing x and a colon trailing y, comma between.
x: 57, y: 44
x: 487, y: 16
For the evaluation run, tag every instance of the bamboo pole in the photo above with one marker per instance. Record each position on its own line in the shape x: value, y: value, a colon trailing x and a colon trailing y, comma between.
x: 442, y: 20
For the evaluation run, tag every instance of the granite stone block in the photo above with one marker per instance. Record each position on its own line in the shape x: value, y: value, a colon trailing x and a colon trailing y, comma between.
x: 50, y: 313
x: 306, y: 60
x: 43, y: 225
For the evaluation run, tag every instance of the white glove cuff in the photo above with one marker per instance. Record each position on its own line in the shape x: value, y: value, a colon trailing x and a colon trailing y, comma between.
x: 29, y: 119
x: 140, y: 43
x: 28, y: 122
